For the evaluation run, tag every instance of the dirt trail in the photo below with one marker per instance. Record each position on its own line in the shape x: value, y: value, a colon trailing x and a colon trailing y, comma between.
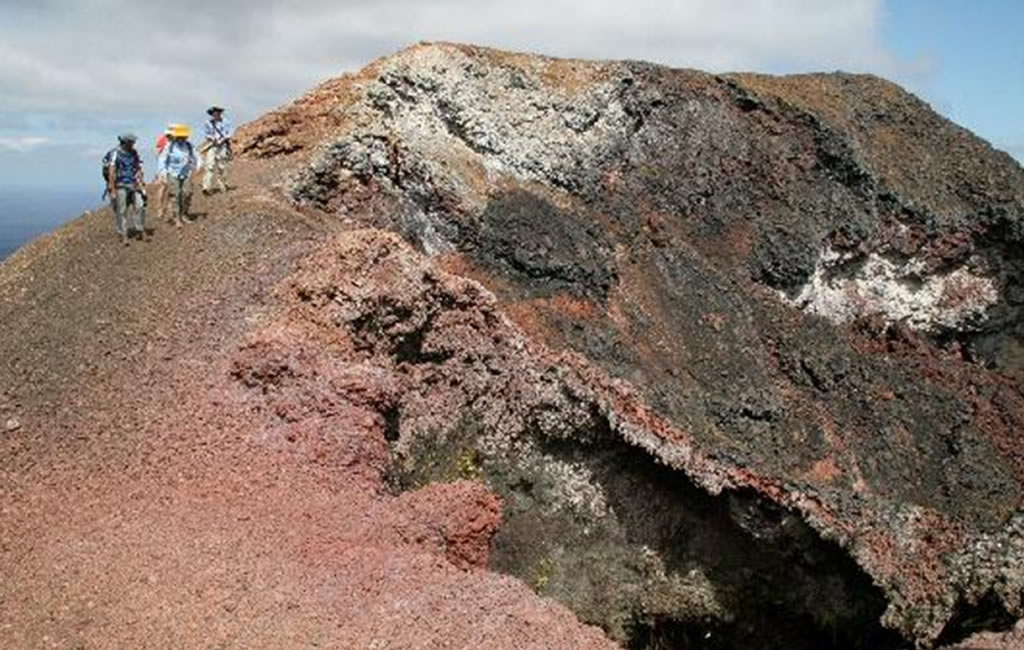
x: 145, y: 505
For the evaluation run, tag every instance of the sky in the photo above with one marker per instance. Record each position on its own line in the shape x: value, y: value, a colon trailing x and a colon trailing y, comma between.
x: 74, y: 74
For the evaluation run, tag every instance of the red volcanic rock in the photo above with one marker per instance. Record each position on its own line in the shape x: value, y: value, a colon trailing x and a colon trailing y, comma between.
x: 459, y: 518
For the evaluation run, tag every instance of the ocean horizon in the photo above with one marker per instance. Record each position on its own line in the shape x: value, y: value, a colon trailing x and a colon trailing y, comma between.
x: 27, y: 213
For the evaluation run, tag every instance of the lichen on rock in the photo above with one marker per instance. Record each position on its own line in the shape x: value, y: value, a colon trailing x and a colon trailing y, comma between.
x: 953, y: 300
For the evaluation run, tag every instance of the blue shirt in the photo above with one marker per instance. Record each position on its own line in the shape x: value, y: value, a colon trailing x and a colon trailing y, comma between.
x: 217, y: 132
x: 177, y: 160
x: 127, y: 165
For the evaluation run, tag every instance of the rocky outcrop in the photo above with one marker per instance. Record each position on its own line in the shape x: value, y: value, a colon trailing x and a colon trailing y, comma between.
x: 804, y: 167
x: 742, y: 355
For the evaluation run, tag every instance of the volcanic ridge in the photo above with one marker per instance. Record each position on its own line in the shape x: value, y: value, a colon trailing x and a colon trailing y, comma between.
x: 495, y: 350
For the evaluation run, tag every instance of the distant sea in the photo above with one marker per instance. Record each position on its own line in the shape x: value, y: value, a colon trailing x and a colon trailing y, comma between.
x: 28, y: 213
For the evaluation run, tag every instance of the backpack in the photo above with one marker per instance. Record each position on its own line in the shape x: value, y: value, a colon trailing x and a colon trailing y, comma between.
x: 109, y: 159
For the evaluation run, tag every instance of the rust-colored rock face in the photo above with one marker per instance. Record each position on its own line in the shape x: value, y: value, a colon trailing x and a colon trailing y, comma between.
x: 707, y: 361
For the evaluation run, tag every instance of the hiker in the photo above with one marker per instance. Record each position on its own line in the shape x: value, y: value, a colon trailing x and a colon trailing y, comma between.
x: 216, y: 150
x: 174, y: 169
x: 164, y: 138
x: 161, y: 143
x: 124, y: 177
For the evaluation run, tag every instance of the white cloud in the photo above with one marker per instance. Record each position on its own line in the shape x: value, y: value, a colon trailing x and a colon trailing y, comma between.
x: 117, y: 55
x: 81, y: 72
x: 23, y: 144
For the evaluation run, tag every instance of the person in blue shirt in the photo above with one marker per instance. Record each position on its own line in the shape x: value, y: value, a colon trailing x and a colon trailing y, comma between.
x: 175, y: 166
x: 216, y: 150
x: 125, y: 187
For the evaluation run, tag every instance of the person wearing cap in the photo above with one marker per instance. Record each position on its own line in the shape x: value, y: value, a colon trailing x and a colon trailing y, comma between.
x: 216, y: 150
x: 124, y: 185
x: 174, y: 169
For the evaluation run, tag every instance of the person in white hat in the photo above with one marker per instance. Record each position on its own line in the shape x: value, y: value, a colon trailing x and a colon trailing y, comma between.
x: 216, y: 150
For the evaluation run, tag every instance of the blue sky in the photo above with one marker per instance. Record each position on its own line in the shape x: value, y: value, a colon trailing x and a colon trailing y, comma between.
x: 74, y: 74
x: 975, y: 54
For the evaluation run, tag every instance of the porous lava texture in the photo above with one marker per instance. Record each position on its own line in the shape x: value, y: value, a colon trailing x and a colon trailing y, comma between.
x: 710, y: 361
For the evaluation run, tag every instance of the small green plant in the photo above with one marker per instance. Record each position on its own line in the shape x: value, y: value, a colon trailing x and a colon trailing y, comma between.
x: 467, y: 464
x: 542, y: 574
